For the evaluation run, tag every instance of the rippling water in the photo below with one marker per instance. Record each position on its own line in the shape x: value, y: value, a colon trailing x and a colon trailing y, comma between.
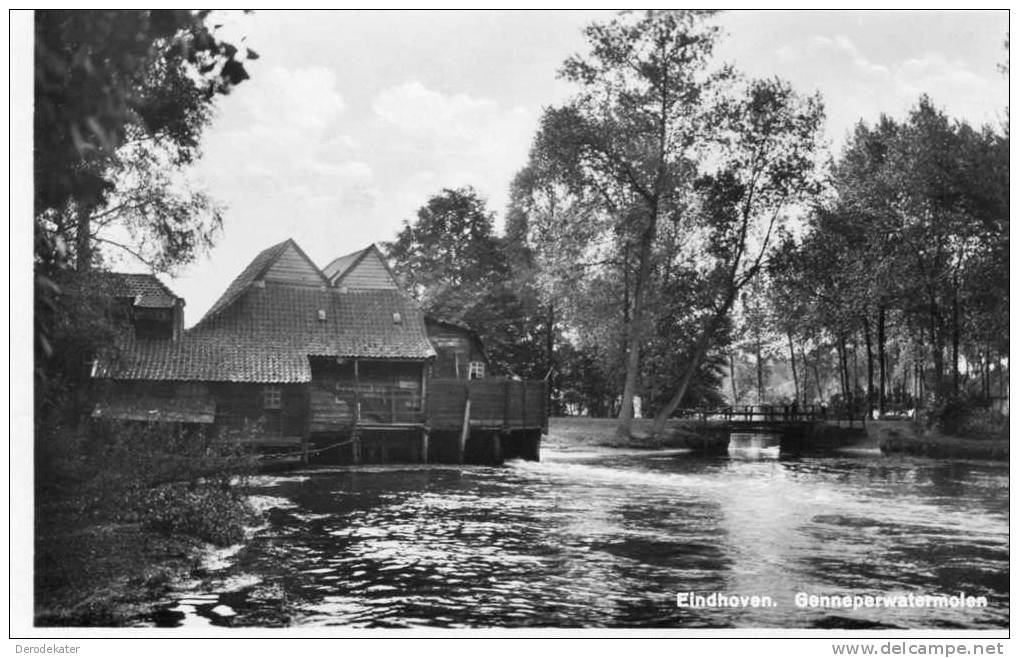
x: 608, y: 538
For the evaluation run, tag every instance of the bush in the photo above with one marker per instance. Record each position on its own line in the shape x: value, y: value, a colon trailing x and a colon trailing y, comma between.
x: 211, y: 513
x: 100, y: 466
x: 969, y: 417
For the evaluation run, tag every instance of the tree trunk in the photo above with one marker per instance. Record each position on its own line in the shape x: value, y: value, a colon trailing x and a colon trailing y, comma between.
x: 856, y: 369
x: 881, y: 360
x: 987, y: 369
x: 700, y: 349
x: 817, y: 378
x: 870, y: 363
x: 792, y: 361
x: 549, y: 355
x: 937, y: 350
x: 955, y: 338
x: 83, y: 240
x: 732, y: 377
x: 760, y: 370
x: 843, y: 368
x: 635, y: 335
x: 691, y: 369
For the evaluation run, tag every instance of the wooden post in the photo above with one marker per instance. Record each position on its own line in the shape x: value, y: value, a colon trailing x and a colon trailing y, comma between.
x: 355, y: 433
x: 546, y: 403
x: 523, y: 403
x: 306, y: 434
x: 465, y: 430
x: 496, y: 448
x: 424, y: 391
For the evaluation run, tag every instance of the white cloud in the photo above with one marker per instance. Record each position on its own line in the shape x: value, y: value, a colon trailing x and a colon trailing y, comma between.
x: 281, y: 157
x: 843, y: 46
x: 863, y: 89
x: 453, y: 140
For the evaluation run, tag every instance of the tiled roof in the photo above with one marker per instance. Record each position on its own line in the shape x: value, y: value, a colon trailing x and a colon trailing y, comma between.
x: 339, y: 267
x: 253, y: 271
x: 144, y: 289
x: 268, y: 332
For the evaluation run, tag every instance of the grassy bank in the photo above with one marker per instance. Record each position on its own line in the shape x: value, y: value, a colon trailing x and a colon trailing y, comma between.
x: 104, y: 573
x: 572, y: 432
x: 902, y: 437
x: 124, y: 511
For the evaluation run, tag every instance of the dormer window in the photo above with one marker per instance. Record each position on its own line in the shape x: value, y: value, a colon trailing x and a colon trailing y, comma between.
x: 153, y: 323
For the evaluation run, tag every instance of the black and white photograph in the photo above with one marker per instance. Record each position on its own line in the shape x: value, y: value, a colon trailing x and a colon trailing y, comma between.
x: 528, y: 323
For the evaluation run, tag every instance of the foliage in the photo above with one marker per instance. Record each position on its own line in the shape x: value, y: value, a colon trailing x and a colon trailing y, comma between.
x: 153, y: 213
x: 103, y: 465
x: 211, y: 514
x: 104, y: 76
x: 907, y: 259
x: 968, y: 417
x: 768, y: 140
x: 625, y: 142
x: 76, y: 317
x: 583, y: 384
x: 453, y: 262
x: 121, y: 98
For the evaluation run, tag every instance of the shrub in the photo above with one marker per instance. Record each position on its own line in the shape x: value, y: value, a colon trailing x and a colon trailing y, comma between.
x: 970, y: 417
x: 211, y: 513
x: 100, y: 468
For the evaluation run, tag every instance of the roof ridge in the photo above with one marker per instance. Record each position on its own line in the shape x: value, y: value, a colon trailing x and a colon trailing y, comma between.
x: 146, y: 276
x: 251, y: 273
x: 358, y: 256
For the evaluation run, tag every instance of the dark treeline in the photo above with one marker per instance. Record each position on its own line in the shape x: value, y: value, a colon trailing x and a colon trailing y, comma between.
x: 902, y: 272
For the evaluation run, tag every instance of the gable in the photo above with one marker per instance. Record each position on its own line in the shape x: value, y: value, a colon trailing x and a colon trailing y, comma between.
x: 292, y: 267
x: 296, y: 268
x: 368, y: 273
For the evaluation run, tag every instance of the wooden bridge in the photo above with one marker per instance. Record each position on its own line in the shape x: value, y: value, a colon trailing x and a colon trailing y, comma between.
x: 775, y: 418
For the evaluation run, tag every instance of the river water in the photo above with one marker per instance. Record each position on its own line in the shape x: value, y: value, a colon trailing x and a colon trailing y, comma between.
x: 608, y: 538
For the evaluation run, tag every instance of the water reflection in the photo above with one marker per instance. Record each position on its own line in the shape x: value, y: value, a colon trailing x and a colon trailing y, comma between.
x: 608, y: 538
x: 754, y: 445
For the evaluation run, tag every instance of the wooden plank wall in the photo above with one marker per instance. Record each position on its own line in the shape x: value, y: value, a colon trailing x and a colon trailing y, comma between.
x: 291, y: 267
x: 445, y: 403
x: 510, y: 404
x: 369, y: 274
x: 329, y: 412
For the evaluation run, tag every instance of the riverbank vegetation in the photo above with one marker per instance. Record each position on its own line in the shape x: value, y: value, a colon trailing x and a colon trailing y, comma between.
x: 121, y: 100
x: 577, y: 432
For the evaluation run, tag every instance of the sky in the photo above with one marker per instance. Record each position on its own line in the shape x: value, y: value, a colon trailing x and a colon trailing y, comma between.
x: 352, y: 120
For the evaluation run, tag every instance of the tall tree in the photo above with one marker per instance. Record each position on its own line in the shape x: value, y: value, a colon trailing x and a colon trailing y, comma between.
x: 111, y: 86
x: 103, y: 78
x: 768, y: 140
x: 628, y: 138
x: 460, y: 270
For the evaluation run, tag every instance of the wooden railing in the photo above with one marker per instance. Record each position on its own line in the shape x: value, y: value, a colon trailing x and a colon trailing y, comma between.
x: 790, y: 413
x: 494, y: 403
x: 383, y: 404
x: 335, y: 408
